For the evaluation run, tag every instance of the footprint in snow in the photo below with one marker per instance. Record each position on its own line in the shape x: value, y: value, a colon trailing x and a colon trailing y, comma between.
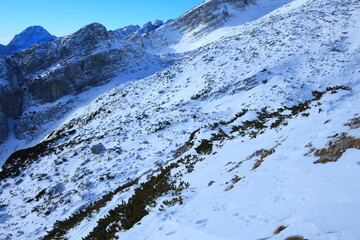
x: 202, y: 222
x: 170, y: 233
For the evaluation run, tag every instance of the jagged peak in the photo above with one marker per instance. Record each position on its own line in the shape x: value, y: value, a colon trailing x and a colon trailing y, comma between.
x: 126, y: 31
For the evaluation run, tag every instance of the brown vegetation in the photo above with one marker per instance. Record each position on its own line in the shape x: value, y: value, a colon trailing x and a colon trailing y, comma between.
x: 297, y: 237
x: 234, y: 180
x: 263, y: 153
x: 336, y: 148
x: 279, y: 229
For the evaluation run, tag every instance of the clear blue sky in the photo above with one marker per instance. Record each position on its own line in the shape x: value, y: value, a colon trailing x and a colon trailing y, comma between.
x: 62, y: 17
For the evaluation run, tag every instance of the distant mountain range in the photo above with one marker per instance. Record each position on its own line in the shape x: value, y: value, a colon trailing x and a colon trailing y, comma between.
x: 38, y: 35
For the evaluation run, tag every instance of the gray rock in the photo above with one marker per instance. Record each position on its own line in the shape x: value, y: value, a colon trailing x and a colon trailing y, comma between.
x: 98, y: 148
x: 72, y: 64
x: 58, y: 188
x: 10, y: 97
x: 3, y: 126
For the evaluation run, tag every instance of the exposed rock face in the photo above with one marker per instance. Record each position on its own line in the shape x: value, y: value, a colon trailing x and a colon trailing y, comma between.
x: 3, y: 126
x: 151, y: 26
x: 69, y: 65
x: 127, y: 31
x: 133, y: 30
x: 10, y: 97
x: 4, y: 50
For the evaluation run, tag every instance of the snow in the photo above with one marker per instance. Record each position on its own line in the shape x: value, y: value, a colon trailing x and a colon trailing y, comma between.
x: 316, y: 201
x: 270, y: 60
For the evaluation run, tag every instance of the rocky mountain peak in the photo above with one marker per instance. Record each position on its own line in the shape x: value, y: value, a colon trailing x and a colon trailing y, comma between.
x: 151, y: 26
x: 127, y: 31
x: 84, y: 40
x: 30, y: 36
x: 96, y: 29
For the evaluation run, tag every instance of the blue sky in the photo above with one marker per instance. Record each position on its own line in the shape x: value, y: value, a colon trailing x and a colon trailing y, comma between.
x: 62, y: 17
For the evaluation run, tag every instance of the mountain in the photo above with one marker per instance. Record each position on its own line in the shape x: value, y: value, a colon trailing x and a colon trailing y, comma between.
x: 27, y: 38
x: 246, y: 130
x: 42, y: 75
x: 127, y: 31
x: 4, y: 50
x: 134, y: 30
x: 151, y: 26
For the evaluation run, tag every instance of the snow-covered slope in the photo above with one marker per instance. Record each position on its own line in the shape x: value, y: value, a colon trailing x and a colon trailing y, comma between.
x: 30, y: 36
x: 252, y: 135
x: 206, y: 23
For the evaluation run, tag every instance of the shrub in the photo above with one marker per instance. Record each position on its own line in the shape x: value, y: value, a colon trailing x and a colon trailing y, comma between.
x: 205, y: 147
x: 279, y: 229
x: 297, y: 237
x: 61, y: 228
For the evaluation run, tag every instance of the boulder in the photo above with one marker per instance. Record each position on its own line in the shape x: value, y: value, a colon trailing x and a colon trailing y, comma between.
x: 98, y: 148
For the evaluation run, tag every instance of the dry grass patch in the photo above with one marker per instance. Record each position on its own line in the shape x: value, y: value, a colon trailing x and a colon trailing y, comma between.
x: 279, y: 229
x: 336, y: 148
x: 234, y: 180
x: 263, y: 153
x: 297, y: 237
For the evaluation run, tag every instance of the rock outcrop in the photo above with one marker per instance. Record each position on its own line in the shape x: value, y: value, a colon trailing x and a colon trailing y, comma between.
x: 3, y: 126
x: 89, y: 57
x: 127, y: 31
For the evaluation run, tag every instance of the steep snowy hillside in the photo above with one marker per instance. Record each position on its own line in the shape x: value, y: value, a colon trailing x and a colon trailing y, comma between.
x: 27, y: 38
x: 254, y: 134
x: 205, y: 23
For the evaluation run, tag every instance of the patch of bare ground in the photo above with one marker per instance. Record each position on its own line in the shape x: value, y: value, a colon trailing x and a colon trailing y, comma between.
x: 336, y: 148
x: 279, y: 229
x: 233, y: 181
x: 263, y: 153
x: 297, y: 237
x: 354, y: 123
